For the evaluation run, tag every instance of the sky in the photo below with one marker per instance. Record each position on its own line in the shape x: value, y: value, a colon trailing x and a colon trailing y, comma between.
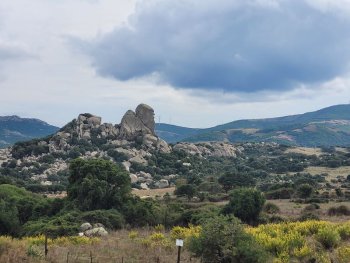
x: 198, y: 63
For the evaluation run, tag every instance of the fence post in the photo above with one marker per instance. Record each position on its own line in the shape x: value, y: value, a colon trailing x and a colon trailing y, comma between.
x: 68, y: 257
x: 122, y: 259
x: 178, y: 254
x: 46, y: 249
x: 90, y: 256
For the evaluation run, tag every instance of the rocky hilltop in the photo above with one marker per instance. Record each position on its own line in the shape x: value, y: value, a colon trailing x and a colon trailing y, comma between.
x: 133, y: 142
x: 135, y: 126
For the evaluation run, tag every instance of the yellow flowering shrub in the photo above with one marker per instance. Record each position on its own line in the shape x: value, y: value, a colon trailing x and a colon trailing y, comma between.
x: 343, y: 254
x: 284, y: 240
x: 62, y: 241
x: 133, y: 234
x: 179, y: 232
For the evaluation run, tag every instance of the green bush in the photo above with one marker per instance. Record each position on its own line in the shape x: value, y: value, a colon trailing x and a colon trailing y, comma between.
x: 246, y: 204
x: 338, y: 211
x: 328, y: 237
x: 271, y: 208
x: 223, y: 240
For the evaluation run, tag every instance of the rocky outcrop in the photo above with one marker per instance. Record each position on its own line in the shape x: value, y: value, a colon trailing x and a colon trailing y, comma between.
x: 219, y: 149
x: 97, y: 230
x: 136, y: 125
x: 146, y: 114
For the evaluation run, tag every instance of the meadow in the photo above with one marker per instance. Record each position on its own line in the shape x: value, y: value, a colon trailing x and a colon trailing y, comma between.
x: 309, y: 241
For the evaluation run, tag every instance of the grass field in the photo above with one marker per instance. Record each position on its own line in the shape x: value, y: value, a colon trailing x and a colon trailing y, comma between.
x: 305, y: 150
x: 292, y: 210
x: 118, y: 247
x: 343, y: 171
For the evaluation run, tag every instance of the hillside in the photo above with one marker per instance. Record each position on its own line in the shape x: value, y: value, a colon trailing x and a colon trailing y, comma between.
x: 172, y: 133
x: 326, y: 127
x: 14, y: 129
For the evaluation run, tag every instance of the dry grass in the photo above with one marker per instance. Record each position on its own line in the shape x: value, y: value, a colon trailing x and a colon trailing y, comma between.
x: 116, y: 248
x: 305, y: 150
x: 292, y: 210
x: 343, y: 171
x: 153, y: 192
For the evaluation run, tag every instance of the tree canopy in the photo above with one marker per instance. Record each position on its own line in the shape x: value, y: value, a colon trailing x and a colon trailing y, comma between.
x: 246, y: 204
x: 97, y: 184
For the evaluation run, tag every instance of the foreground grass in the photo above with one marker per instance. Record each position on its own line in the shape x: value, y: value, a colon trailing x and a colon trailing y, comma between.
x: 120, y: 246
x: 309, y: 241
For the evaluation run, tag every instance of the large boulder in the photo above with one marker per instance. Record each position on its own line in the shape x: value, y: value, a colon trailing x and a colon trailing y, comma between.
x: 146, y: 114
x: 139, y: 124
x: 85, y: 226
x: 96, y: 232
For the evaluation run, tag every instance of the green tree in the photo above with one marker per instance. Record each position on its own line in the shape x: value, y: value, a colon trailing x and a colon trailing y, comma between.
x: 97, y: 184
x: 223, y: 240
x: 186, y: 190
x: 246, y: 204
x: 304, y: 190
x: 236, y: 179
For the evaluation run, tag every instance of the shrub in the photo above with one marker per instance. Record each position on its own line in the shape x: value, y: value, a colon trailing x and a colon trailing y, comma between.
x: 271, y: 208
x: 246, y: 204
x: 311, y: 208
x: 328, y: 237
x: 282, y: 193
x: 343, y: 254
x: 304, y: 190
x: 338, y: 211
x: 223, y: 239
x: 308, y: 216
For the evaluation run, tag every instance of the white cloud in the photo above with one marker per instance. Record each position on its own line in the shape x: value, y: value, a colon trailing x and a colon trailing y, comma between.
x: 56, y: 84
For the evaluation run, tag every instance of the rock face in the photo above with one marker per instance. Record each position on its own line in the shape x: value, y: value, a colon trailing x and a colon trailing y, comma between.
x: 134, y: 125
x: 146, y: 114
x: 219, y: 149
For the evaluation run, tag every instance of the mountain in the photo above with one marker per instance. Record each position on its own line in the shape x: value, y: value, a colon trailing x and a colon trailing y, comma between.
x: 326, y: 127
x: 173, y: 133
x: 14, y: 128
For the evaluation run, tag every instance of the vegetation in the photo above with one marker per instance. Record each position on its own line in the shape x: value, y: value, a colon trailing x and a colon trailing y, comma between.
x: 246, y: 204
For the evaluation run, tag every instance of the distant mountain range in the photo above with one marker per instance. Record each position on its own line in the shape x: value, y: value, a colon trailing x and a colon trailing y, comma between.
x: 14, y: 129
x: 326, y: 127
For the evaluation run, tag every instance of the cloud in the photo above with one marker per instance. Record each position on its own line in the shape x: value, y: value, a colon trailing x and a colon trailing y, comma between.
x: 12, y: 51
x: 235, y: 46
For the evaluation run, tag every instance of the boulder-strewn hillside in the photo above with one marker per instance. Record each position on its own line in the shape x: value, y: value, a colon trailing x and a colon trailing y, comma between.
x: 132, y: 143
x: 14, y: 129
x: 326, y: 127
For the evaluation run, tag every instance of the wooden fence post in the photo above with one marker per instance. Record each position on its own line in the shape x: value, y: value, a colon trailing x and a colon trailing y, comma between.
x: 46, y: 249
x: 90, y: 256
x: 68, y: 257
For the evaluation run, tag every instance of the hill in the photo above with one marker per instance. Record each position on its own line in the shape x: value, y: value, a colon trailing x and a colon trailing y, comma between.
x: 172, y: 133
x: 14, y: 129
x: 326, y: 127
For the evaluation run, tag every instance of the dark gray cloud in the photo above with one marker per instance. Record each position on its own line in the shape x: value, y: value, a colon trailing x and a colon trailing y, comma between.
x: 240, y: 46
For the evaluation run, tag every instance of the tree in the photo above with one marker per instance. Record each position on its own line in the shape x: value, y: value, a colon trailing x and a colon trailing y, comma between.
x: 97, y: 184
x: 236, y: 179
x: 246, y: 204
x: 223, y: 240
x: 304, y: 190
x: 185, y: 190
